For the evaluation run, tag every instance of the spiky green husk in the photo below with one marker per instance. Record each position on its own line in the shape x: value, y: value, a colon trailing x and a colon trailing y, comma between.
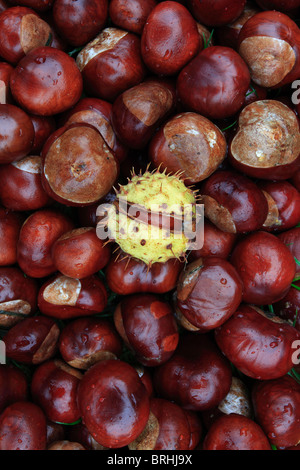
x: 147, y: 242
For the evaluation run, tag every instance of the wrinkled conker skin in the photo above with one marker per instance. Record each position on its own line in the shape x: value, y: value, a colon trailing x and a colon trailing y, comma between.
x: 259, y: 346
x: 46, y: 81
x: 17, y: 133
x: 97, y: 113
x: 21, y: 30
x: 131, y: 15
x: 37, y: 236
x: 188, y: 143
x: 32, y: 340
x: 209, y: 291
x: 170, y: 38
x: 65, y: 297
x: 288, y: 308
x: 266, y: 267
x: 13, y: 386
x: 80, y: 253
x: 85, y: 341
x: 111, y: 63
x: 216, y: 243
x: 233, y: 202
x: 78, y: 167
x: 21, y: 185
x: 197, y: 377
x: 277, y: 410
x: 54, y: 388
x: 147, y: 324
x: 291, y: 239
x: 23, y: 427
x: 216, y: 12
x: 138, y: 111
x: 235, y: 432
x: 79, y: 22
x: 10, y: 226
x: 221, y: 97
x: 113, y: 403
x: 18, y: 295
x: 287, y: 204
x: 266, y: 143
x: 269, y: 42
x: 130, y: 277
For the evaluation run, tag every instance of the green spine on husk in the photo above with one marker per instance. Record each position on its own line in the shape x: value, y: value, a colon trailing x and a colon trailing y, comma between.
x: 150, y: 242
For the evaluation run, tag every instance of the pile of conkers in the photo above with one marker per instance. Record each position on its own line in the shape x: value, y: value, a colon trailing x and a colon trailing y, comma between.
x: 103, y: 352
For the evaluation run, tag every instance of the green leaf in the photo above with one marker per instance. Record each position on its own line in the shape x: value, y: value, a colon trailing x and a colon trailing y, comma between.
x: 112, y: 301
x: 27, y: 370
x: 70, y: 424
x: 292, y: 373
x: 207, y: 43
x: 271, y: 309
x: 128, y: 356
x: 252, y: 91
x: 228, y: 127
x: 296, y: 287
x: 49, y: 41
x: 296, y: 316
x: 75, y: 51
